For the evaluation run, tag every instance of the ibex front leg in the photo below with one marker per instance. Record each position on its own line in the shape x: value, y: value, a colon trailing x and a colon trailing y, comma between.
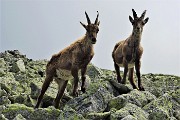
x: 138, y: 74
x: 74, y: 73
x: 83, y: 72
x: 131, y: 80
x: 125, y: 64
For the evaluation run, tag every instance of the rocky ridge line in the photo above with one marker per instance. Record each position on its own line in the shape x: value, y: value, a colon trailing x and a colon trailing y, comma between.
x: 21, y: 80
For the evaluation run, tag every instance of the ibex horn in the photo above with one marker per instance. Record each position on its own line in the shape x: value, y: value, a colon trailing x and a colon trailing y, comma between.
x: 143, y: 15
x: 88, y: 20
x: 134, y: 14
x: 96, y: 21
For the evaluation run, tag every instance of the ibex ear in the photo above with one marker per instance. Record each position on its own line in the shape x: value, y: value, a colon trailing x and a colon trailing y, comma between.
x: 145, y: 21
x: 84, y: 25
x: 98, y: 23
x: 131, y: 20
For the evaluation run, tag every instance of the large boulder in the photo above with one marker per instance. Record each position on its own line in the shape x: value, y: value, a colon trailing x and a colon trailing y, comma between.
x: 95, y: 101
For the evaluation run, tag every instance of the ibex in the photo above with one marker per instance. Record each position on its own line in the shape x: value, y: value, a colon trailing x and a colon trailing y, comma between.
x: 127, y: 53
x: 67, y: 63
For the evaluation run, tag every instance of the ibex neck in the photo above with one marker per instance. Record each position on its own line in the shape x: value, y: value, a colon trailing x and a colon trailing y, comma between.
x: 136, y: 38
x: 87, y: 40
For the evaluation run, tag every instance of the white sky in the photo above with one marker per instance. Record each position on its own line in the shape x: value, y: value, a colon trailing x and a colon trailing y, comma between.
x: 41, y: 28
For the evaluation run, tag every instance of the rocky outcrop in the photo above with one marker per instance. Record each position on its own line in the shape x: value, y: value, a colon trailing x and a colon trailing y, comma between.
x: 105, y: 99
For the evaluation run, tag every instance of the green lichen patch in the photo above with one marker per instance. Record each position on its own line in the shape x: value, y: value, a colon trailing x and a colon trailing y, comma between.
x: 98, y: 116
x: 12, y: 110
x: 160, y: 108
x: 130, y: 109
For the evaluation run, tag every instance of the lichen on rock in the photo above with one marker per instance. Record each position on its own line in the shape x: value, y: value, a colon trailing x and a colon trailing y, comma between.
x: 21, y: 80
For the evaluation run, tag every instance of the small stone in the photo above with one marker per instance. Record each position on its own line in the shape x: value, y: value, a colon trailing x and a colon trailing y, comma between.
x: 18, y: 66
x: 2, y: 117
x: 19, y: 117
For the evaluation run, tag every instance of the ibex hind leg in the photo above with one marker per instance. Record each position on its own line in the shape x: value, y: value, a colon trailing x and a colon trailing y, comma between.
x: 45, y: 85
x: 61, y: 88
x: 117, y: 72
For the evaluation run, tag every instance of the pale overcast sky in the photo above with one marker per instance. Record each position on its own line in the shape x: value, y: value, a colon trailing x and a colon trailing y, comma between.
x: 41, y: 28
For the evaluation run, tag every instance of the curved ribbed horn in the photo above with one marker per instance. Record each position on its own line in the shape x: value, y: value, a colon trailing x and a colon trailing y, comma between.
x: 134, y: 14
x: 143, y: 15
x: 96, y: 21
x: 88, y: 20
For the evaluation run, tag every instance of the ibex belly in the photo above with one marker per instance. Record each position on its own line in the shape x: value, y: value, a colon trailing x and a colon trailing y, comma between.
x: 63, y: 74
x: 130, y: 65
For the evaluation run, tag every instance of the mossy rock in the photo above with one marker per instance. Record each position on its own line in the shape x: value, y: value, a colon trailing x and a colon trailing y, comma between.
x: 12, y: 110
x: 4, y: 100
x: 129, y: 117
x: 160, y: 108
x: 117, y: 102
x: 154, y: 82
x: 23, y: 99
x: 29, y: 113
x: 19, y: 117
x: 130, y: 109
x: 96, y: 101
x: 2, y: 117
x: 139, y: 98
x: 49, y: 113
x: 70, y: 114
x: 98, y: 116
x: 93, y: 71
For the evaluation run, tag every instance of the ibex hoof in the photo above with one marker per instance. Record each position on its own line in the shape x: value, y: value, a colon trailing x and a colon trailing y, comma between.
x: 83, y: 89
x: 141, y: 88
x: 119, y: 81
x: 36, y: 107
x: 75, y: 94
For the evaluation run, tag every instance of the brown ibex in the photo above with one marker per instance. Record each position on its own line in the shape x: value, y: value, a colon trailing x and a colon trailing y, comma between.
x: 127, y: 53
x: 67, y: 63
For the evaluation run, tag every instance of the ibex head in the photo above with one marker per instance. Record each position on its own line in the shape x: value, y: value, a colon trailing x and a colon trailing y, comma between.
x: 92, y: 28
x: 138, y: 22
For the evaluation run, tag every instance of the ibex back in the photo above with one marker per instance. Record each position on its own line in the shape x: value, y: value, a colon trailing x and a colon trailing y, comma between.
x: 66, y: 64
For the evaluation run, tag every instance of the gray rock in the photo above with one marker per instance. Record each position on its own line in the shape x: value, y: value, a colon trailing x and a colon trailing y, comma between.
x: 93, y: 71
x: 19, y: 117
x: 12, y: 110
x: 98, y: 116
x: 117, y: 102
x: 139, y: 98
x: 18, y: 66
x: 95, y: 102
x: 160, y: 108
x: 70, y: 114
x: 2, y: 117
x: 130, y: 109
x: 2, y: 67
x: 2, y: 63
x: 129, y: 117
x: 4, y: 100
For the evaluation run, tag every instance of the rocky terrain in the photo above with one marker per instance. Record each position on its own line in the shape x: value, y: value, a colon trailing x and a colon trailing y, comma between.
x: 105, y: 99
